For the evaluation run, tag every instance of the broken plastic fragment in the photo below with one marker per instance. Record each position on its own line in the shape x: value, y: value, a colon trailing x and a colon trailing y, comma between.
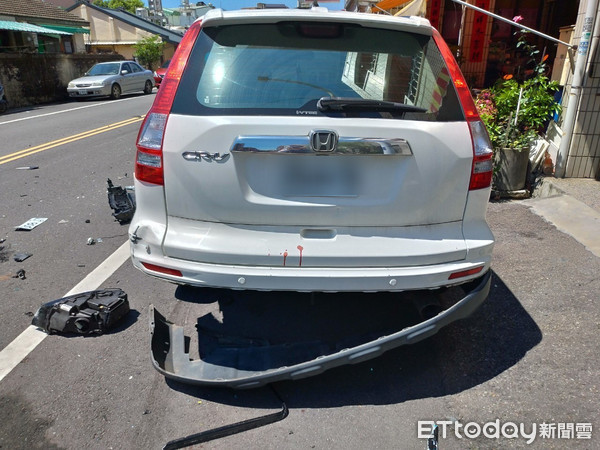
x: 121, y: 201
x: 31, y: 223
x: 91, y: 241
x: 20, y: 274
x: 20, y: 257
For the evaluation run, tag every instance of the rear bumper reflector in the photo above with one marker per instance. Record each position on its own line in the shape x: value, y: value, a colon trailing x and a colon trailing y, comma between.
x: 166, y: 270
x: 465, y: 273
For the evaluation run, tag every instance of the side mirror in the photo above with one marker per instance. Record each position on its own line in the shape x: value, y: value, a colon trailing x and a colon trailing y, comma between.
x: 124, y: 72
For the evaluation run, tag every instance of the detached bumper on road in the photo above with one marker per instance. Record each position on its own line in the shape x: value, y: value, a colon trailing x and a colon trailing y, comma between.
x: 221, y: 367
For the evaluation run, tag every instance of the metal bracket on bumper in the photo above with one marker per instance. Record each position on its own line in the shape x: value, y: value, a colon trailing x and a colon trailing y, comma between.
x: 169, y: 354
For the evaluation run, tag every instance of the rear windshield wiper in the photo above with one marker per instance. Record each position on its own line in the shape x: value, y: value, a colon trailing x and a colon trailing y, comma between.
x: 364, y: 104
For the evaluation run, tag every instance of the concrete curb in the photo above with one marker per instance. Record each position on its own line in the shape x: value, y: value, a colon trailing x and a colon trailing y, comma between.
x: 567, y: 214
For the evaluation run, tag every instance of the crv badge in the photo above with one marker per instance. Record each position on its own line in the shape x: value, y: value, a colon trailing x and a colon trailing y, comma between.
x: 323, y: 141
x: 198, y: 156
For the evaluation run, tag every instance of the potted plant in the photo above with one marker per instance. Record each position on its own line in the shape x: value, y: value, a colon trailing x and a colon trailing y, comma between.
x: 515, y: 113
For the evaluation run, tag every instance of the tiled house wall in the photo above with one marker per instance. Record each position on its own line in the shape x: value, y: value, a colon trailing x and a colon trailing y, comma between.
x: 584, y: 152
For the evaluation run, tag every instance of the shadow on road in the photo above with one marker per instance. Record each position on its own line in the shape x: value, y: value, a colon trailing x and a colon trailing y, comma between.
x: 462, y: 355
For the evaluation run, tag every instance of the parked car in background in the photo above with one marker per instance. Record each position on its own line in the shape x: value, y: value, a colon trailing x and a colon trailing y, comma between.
x: 159, y: 73
x: 112, y: 79
x: 312, y: 151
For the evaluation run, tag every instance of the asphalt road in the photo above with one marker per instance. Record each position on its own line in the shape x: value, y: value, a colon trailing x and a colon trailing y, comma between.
x: 528, y: 355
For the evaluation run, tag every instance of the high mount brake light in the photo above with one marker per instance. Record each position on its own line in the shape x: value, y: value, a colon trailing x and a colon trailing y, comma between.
x: 482, y: 168
x: 149, y: 161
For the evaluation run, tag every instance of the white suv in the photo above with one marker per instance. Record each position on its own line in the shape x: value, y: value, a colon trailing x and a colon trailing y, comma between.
x: 309, y: 150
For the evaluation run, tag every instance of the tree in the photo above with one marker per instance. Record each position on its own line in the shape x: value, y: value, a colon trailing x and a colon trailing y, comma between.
x: 149, y: 50
x: 128, y: 5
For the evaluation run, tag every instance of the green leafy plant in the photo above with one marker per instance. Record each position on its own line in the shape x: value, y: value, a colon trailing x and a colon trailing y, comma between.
x: 128, y: 5
x: 516, y: 112
x: 149, y: 50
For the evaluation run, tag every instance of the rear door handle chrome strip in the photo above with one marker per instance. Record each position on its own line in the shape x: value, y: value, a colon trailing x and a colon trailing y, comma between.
x: 301, y: 145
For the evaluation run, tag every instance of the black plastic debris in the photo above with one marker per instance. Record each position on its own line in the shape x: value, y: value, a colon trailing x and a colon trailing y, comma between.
x: 20, y: 257
x: 121, y: 201
x: 92, y: 312
x: 20, y: 274
x: 230, y: 430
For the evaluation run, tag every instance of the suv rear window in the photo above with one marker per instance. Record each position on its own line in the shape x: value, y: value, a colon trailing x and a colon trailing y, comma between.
x: 285, y: 68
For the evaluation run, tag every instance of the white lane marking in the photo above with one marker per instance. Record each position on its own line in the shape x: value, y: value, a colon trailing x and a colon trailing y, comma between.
x: 29, y: 339
x: 112, y: 102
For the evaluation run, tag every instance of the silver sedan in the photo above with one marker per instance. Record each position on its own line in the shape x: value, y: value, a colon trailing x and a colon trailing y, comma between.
x: 112, y: 79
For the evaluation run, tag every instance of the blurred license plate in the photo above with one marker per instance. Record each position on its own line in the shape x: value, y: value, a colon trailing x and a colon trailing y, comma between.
x: 82, y: 92
x: 321, y: 181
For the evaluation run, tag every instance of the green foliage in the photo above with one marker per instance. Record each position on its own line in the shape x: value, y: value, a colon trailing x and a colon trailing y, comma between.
x: 149, y: 50
x: 498, y: 106
x: 128, y: 5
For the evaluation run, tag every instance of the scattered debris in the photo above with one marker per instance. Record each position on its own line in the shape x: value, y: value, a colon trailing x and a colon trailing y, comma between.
x: 4, y: 251
x: 433, y: 440
x: 80, y: 265
x: 63, y: 221
x: 231, y: 429
x: 121, y: 201
x: 20, y: 274
x: 28, y: 168
x: 29, y: 314
x: 92, y: 312
x: 91, y: 241
x: 31, y: 224
x: 20, y: 257
x: 2, y: 240
x: 87, y: 220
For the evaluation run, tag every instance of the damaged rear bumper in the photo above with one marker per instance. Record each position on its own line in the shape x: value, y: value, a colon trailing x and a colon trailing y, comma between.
x: 170, y: 349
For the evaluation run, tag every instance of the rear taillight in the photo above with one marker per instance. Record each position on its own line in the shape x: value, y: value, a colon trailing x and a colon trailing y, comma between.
x: 149, y: 157
x: 482, y: 168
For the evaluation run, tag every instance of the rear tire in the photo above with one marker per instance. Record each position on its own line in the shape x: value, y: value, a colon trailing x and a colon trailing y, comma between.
x: 148, y: 87
x: 115, y: 91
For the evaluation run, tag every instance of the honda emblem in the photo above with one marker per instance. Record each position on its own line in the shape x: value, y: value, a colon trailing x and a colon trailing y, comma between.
x: 323, y: 141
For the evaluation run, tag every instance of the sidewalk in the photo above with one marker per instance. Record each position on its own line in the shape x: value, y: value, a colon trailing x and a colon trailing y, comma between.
x: 573, y: 206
